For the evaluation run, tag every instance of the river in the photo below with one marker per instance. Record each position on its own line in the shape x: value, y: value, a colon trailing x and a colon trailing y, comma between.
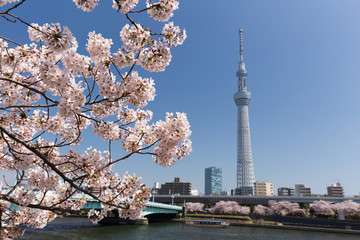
x: 82, y: 229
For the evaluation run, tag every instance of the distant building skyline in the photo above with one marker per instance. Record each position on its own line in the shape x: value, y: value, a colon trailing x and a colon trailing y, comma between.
x: 213, y: 181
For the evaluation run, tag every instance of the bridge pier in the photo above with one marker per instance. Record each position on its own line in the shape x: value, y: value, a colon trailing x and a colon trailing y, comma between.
x: 141, y: 221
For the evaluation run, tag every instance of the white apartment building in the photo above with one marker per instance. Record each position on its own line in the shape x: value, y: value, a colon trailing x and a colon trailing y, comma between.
x: 264, y: 189
x: 302, y: 190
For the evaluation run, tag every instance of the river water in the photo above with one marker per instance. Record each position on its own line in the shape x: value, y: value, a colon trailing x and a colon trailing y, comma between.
x: 82, y: 229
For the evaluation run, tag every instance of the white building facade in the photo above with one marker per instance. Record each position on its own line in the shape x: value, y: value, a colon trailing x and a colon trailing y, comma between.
x: 301, y: 190
x: 264, y: 189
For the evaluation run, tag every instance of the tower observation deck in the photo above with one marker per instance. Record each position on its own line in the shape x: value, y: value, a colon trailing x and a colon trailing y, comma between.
x: 245, y: 169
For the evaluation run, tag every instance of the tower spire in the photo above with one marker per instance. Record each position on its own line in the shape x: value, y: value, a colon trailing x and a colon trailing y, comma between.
x: 241, y: 73
x: 242, y: 68
x: 241, y: 44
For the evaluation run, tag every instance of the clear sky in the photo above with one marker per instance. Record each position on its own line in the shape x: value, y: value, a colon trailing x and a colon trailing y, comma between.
x: 303, y: 62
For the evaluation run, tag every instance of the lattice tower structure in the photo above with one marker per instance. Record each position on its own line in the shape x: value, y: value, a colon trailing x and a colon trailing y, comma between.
x: 245, y: 168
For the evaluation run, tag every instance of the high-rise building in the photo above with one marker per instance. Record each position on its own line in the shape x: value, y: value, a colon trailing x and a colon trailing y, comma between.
x: 335, y: 190
x: 264, y: 189
x: 245, y: 168
x: 176, y: 187
x: 213, y: 181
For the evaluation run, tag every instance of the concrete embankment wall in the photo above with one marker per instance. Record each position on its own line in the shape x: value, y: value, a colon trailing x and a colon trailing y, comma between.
x: 299, y: 228
x: 313, y: 222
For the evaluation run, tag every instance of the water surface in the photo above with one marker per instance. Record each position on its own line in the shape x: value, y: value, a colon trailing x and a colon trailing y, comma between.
x: 82, y: 229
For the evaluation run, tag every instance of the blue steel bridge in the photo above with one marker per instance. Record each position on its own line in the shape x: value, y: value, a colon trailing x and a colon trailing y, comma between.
x: 152, y: 208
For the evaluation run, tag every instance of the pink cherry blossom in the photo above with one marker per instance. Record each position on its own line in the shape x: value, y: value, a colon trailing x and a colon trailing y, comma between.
x: 172, y: 35
x: 226, y: 207
x: 155, y: 59
x: 162, y: 10
x: 285, y: 208
x: 124, y: 6
x: 348, y: 208
x: 194, y: 206
x: 53, y: 97
x: 322, y: 208
x: 86, y: 5
x: 3, y: 2
x: 260, y: 210
x: 54, y: 37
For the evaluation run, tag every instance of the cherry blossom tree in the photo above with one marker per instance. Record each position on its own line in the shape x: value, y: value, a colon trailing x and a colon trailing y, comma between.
x: 244, y: 210
x: 260, y: 210
x: 195, y: 206
x: 229, y: 207
x: 285, y: 208
x: 322, y: 208
x: 347, y: 208
x: 51, y: 94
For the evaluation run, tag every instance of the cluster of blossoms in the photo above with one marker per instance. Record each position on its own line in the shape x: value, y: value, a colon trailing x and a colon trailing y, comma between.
x: 54, y: 37
x: 285, y: 208
x: 322, y: 208
x: 317, y: 208
x: 260, y: 210
x: 50, y: 94
x: 162, y: 10
x: 152, y: 55
x: 229, y: 207
x: 98, y: 47
x: 173, y: 36
x: 140, y: 90
x: 172, y: 132
x: 86, y: 5
x: 135, y: 37
x: 194, y: 207
x: 3, y: 2
x: 124, y: 6
x: 156, y: 58
x: 347, y: 208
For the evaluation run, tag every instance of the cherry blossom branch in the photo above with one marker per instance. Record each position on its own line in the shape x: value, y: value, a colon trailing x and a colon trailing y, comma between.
x: 6, y: 39
x: 27, y: 106
x: 55, y: 169
x: 45, y: 160
x: 15, y: 6
x: 30, y: 88
x: 49, y: 76
x: 145, y: 9
x: 59, y: 210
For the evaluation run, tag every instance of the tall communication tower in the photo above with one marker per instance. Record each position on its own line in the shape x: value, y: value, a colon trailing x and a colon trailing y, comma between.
x: 245, y: 168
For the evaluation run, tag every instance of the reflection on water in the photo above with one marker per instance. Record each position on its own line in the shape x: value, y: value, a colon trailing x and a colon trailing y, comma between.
x: 82, y: 229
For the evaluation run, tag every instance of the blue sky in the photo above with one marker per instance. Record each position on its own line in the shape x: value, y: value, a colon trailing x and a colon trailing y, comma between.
x: 303, y: 62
